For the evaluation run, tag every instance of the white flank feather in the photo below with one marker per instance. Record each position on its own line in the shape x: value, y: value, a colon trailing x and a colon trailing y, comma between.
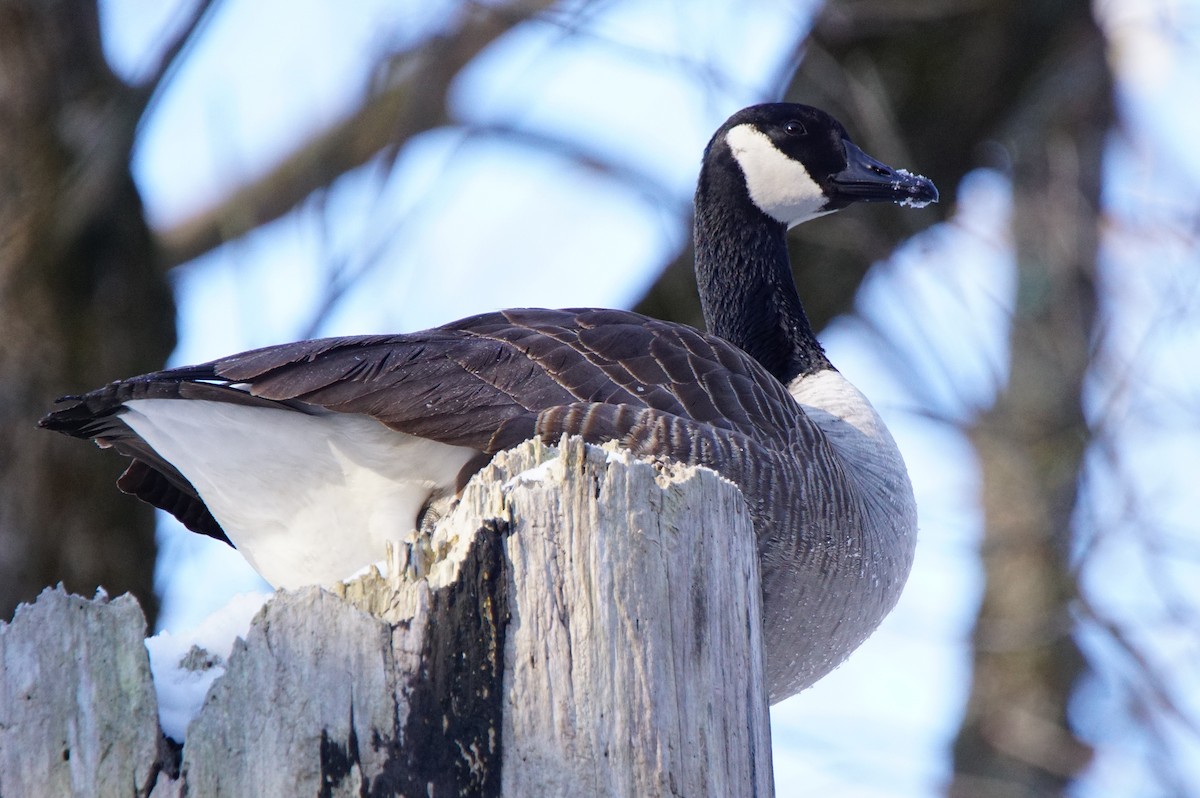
x: 307, y: 499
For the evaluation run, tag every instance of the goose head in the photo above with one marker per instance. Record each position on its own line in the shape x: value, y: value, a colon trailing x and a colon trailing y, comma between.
x: 768, y: 168
x: 798, y: 163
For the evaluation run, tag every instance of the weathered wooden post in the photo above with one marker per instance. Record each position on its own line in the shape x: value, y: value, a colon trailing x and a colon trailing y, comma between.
x: 589, y: 625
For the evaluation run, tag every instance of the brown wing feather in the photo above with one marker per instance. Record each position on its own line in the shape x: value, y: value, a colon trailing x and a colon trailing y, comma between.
x: 488, y: 382
x: 459, y: 383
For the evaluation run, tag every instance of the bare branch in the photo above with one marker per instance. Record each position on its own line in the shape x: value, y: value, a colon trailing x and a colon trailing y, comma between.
x: 345, y: 273
x: 1154, y: 678
x: 413, y: 103
x: 573, y: 151
x: 152, y: 88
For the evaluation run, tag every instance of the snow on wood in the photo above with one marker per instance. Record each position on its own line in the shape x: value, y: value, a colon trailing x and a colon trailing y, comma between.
x: 591, y: 629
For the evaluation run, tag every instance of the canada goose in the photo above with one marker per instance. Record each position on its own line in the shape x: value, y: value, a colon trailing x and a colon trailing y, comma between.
x: 308, y: 456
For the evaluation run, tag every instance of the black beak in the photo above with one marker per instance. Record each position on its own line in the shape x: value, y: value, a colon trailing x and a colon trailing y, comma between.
x: 867, y: 180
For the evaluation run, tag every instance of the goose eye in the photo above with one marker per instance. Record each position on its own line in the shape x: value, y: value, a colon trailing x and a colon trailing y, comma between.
x: 794, y: 128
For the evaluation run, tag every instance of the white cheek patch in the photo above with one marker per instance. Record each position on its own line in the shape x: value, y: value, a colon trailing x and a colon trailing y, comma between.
x: 780, y: 186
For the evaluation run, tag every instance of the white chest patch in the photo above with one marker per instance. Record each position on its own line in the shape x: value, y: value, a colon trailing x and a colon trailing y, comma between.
x: 868, y: 451
x: 780, y: 186
x: 835, y: 396
x: 306, y: 499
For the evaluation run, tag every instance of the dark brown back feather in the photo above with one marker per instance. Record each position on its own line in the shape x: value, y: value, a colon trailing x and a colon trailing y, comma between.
x: 458, y: 383
x: 488, y: 382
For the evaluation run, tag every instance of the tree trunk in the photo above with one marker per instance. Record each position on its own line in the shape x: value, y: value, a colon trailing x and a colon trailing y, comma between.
x: 1016, y: 739
x: 81, y: 302
x: 589, y: 625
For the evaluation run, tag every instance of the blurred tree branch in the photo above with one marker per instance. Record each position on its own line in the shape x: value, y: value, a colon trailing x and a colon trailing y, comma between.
x: 411, y: 101
x: 175, y: 53
x: 341, y: 277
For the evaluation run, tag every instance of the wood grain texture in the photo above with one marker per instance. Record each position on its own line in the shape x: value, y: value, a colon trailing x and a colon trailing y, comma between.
x: 584, y: 624
x: 78, y: 716
x: 641, y: 671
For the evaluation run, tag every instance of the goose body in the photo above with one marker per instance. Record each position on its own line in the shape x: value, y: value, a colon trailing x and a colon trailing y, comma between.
x: 309, y: 456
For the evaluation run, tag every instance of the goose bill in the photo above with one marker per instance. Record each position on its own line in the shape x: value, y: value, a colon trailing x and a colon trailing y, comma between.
x: 867, y: 180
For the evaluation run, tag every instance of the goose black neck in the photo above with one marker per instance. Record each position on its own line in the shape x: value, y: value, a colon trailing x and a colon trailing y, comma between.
x: 745, y: 279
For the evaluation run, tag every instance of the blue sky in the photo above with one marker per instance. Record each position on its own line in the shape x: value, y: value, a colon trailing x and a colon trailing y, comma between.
x: 465, y: 224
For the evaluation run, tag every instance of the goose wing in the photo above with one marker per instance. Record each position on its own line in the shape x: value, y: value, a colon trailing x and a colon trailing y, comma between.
x: 487, y: 382
x: 484, y: 380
